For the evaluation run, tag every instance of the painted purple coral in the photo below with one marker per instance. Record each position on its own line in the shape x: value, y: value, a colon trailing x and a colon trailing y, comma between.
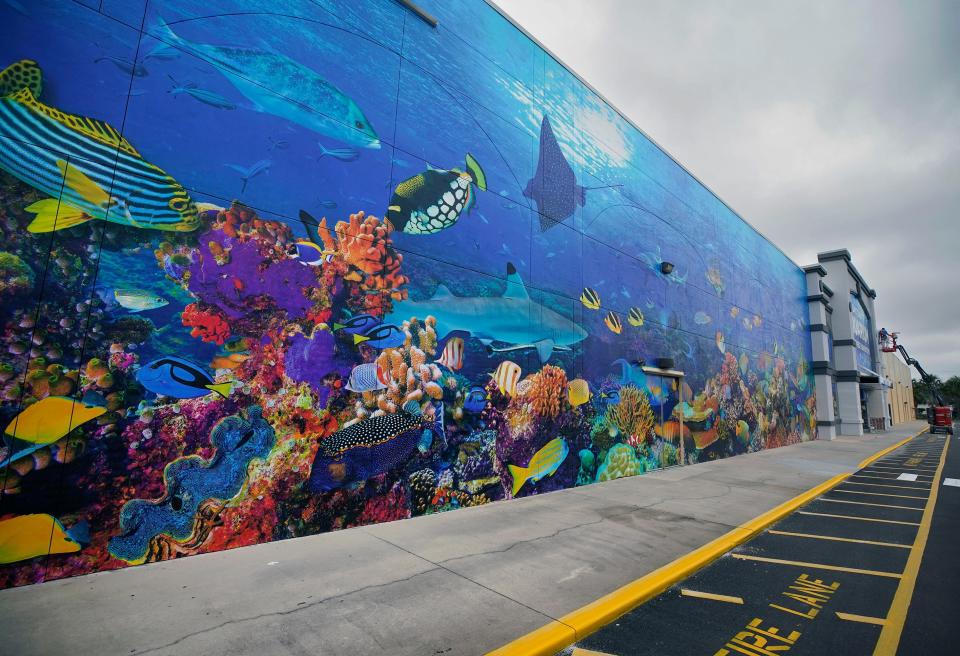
x: 246, y: 280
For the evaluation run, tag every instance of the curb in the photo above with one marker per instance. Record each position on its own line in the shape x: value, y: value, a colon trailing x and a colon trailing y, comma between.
x: 568, y: 629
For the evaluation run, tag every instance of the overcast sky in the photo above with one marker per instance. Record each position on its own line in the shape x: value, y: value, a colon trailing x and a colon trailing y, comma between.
x: 826, y: 125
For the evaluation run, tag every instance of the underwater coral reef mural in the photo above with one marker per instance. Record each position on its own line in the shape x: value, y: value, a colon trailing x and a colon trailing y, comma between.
x: 310, y: 266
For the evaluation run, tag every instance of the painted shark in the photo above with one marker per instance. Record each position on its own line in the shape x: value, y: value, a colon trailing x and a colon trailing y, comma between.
x: 513, y: 319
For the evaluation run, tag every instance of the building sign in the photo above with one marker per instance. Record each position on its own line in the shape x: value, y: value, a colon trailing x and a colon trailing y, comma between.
x: 862, y: 334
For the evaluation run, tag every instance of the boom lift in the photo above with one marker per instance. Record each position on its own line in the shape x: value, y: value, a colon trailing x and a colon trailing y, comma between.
x: 940, y: 415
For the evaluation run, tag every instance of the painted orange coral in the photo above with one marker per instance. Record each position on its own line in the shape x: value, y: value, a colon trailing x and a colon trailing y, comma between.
x: 548, y: 391
x: 632, y: 415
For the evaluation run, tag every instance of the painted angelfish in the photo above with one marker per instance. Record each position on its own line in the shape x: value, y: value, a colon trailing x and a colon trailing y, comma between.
x: 280, y: 86
x: 85, y: 163
x: 433, y: 200
x: 544, y: 462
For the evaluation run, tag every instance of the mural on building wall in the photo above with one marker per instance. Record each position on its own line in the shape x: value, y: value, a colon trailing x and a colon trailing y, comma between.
x: 293, y: 270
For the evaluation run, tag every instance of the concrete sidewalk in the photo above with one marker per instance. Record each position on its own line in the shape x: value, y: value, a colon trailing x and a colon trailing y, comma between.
x: 462, y: 582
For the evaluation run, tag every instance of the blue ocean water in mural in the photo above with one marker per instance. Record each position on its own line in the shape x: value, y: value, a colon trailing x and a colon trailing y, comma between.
x: 282, y: 192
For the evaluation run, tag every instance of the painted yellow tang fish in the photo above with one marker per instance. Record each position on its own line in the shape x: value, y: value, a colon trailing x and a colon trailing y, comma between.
x: 544, y: 463
x: 49, y: 419
x: 29, y: 536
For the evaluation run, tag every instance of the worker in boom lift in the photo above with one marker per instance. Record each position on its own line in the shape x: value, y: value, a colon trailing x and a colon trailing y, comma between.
x: 884, y: 336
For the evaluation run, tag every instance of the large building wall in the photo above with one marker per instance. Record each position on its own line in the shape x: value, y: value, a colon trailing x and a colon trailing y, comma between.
x: 900, y: 398
x: 293, y: 268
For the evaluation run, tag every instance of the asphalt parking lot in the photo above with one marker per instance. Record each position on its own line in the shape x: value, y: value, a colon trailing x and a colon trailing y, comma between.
x: 869, y: 567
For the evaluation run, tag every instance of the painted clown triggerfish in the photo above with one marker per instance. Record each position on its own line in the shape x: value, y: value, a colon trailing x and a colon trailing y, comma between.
x: 371, y: 447
x: 433, y: 200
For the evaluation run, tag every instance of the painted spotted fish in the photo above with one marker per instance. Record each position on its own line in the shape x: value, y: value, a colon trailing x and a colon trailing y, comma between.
x: 433, y: 200
x: 370, y: 447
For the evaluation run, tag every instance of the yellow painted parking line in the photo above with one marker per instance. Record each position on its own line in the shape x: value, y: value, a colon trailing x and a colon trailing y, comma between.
x: 709, y: 595
x: 834, y: 538
x: 902, y: 487
x: 850, y: 617
x: 881, y: 494
x: 861, y: 519
x: 865, y: 503
x: 897, y: 615
x: 832, y: 568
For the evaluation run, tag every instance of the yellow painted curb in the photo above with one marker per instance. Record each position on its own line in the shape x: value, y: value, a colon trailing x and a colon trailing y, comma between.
x: 563, y: 632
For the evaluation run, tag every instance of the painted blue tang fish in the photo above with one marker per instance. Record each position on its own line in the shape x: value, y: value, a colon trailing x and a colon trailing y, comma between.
x: 357, y: 324
x: 382, y: 336
x: 476, y: 399
x: 370, y: 447
x: 280, y: 86
x: 179, y: 378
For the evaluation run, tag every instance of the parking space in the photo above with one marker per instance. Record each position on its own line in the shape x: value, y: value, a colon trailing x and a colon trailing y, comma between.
x: 835, y: 576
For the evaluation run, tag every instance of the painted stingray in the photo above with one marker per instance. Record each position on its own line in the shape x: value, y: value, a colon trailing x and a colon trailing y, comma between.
x: 191, y: 481
x: 554, y: 186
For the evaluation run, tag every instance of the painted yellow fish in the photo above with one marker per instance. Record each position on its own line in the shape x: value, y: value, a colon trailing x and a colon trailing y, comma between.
x: 757, y: 321
x: 635, y: 317
x: 734, y: 311
x: 29, y: 536
x: 544, y: 463
x: 590, y: 299
x: 744, y: 363
x: 49, y: 419
x: 612, y: 321
x: 578, y: 391
x: 507, y: 375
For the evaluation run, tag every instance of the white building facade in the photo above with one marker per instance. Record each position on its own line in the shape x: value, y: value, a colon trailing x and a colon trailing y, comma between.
x: 852, y: 391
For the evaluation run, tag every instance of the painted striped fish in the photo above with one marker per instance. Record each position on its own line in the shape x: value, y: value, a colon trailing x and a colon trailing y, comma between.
x: 612, y: 322
x: 452, y: 356
x: 85, y: 163
x: 544, y: 463
x: 507, y: 375
x: 590, y: 299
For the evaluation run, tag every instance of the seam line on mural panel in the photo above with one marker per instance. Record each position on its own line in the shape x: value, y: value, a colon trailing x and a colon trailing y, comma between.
x: 553, y: 637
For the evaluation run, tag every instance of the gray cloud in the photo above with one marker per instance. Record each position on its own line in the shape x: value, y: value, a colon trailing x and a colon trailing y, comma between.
x: 826, y: 125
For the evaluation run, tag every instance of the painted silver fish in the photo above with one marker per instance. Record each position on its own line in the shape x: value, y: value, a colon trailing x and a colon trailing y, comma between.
x: 280, y: 86
x: 203, y: 95
x: 247, y: 173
